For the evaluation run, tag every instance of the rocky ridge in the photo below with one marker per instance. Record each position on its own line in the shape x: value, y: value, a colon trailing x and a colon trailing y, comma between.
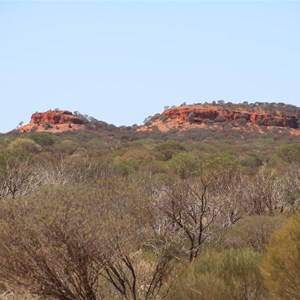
x: 201, y: 116
x: 198, y: 114
x: 224, y: 117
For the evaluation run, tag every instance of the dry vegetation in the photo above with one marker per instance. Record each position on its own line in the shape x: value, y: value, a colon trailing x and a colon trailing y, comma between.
x: 111, y: 213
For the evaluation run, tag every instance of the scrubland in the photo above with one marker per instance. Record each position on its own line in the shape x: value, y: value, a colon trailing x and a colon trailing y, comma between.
x: 111, y: 213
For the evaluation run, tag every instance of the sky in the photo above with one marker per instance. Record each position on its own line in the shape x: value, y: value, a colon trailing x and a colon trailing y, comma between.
x: 121, y: 61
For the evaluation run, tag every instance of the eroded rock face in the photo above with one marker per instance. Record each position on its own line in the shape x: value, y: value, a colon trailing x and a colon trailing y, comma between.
x: 55, y: 117
x: 199, y: 114
x: 53, y: 121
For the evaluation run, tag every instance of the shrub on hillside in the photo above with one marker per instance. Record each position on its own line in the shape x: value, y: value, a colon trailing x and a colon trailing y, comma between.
x: 251, y: 162
x: 42, y: 138
x: 26, y: 145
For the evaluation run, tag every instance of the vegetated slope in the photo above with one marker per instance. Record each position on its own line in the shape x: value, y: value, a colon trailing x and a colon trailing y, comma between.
x: 111, y: 212
x: 245, y: 117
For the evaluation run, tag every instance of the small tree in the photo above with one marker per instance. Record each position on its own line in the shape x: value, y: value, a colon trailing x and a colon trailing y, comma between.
x: 266, y: 193
x: 193, y: 211
x: 147, y: 121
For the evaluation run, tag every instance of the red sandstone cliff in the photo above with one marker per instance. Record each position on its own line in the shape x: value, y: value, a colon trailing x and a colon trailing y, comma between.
x: 54, y: 121
x: 197, y: 114
x: 191, y: 116
x: 54, y: 117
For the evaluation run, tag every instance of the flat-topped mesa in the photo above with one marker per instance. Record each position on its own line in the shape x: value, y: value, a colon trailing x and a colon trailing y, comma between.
x: 197, y: 114
x: 54, y: 117
x: 53, y: 121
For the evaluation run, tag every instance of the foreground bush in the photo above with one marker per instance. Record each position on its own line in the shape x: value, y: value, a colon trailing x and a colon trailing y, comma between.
x: 51, y: 244
x: 232, y: 274
x: 281, y: 264
x: 82, y: 243
x: 253, y: 231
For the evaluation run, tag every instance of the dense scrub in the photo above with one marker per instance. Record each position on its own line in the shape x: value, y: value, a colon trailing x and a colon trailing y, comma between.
x: 115, y: 214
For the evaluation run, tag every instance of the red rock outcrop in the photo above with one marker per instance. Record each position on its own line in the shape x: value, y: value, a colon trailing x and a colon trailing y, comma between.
x: 53, y: 121
x: 199, y: 114
x: 54, y: 117
x: 238, y: 117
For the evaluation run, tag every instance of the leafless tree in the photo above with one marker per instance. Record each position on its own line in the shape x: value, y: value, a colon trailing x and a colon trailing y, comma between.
x: 195, y: 207
x: 135, y: 278
x: 130, y: 272
x: 265, y: 193
x: 16, y: 174
x: 65, y: 170
x: 190, y: 212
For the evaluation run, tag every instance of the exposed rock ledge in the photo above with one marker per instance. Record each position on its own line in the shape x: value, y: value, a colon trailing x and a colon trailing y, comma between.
x: 53, y: 121
x: 185, y: 117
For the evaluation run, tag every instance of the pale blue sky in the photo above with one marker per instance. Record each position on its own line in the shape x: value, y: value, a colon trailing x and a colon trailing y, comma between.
x: 123, y: 61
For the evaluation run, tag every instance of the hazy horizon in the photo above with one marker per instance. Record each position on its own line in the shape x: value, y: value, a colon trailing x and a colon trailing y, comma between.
x: 122, y: 61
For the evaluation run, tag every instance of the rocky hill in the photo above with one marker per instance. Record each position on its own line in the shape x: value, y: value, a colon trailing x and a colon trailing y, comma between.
x: 53, y: 121
x: 247, y: 117
x: 260, y: 117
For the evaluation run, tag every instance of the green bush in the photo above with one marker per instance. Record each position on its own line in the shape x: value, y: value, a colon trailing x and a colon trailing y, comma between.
x: 169, y: 148
x: 251, y: 162
x: 26, y: 145
x: 42, y: 138
x: 185, y: 164
x: 253, y: 232
x: 281, y: 264
x: 229, y: 275
x: 290, y: 153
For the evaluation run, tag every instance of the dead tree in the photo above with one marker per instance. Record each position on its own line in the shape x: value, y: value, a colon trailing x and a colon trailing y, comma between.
x: 136, y: 279
x: 266, y: 193
x: 16, y: 175
x: 191, y: 212
x: 195, y: 207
